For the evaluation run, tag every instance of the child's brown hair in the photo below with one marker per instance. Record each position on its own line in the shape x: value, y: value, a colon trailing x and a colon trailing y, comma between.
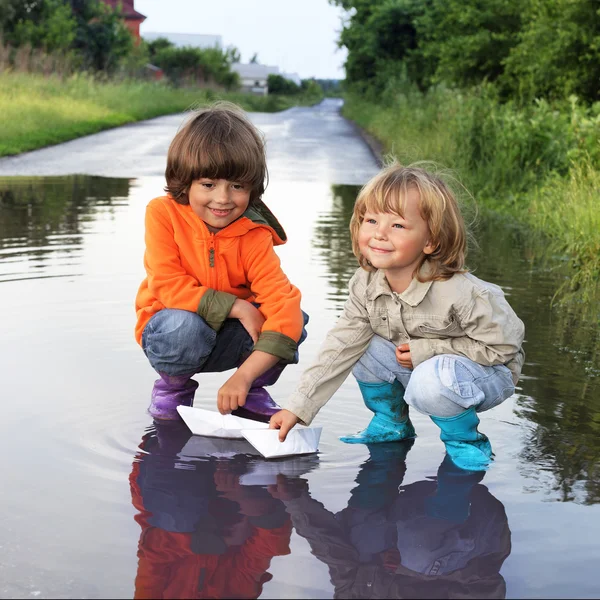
x: 386, y: 192
x: 217, y: 142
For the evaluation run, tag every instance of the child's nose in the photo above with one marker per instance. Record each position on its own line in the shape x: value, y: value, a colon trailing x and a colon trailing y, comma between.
x: 222, y: 195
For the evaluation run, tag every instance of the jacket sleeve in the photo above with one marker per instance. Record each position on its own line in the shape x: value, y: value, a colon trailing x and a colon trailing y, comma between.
x: 169, y: 282
x: 494, y: 333
x: 343, y: 346
x: 279, y: 300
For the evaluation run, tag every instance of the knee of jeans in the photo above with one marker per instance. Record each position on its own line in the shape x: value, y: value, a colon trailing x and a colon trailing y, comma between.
x: 362, y: 373
x: 375, y: 365
x: 425, y: 389
x: 174, y: 335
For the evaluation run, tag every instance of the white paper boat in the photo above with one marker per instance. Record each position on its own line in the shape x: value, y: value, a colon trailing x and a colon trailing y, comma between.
x: 298, y: 441
x: 214, y: 424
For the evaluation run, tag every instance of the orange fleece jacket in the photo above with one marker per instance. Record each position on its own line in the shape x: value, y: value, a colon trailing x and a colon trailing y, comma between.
x: 192, y: 269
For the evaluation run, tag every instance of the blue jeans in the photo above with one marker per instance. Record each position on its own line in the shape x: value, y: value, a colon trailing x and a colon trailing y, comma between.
x: 179, y: 342
x: 442, y: 386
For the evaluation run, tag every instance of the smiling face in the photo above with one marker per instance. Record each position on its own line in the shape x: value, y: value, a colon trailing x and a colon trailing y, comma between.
x: 396, y: 244
x: 218, y: 202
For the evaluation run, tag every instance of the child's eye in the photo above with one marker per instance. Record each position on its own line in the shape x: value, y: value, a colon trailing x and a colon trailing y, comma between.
x: 398, y: 226
x: 371, y: 221
x: 237, y: 186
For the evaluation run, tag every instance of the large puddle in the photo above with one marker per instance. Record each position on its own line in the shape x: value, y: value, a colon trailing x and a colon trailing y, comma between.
x: 98, y: 503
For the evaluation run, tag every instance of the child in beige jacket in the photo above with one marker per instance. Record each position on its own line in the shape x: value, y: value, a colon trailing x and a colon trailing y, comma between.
x: 417, y: 329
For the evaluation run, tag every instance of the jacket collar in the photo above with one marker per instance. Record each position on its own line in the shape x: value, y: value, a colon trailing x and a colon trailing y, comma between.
x: 413, y: 295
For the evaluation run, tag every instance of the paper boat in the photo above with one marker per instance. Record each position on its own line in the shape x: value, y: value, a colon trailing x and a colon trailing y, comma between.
x: 214, y: 424
x: 303, y: 440
x: 300, y: 440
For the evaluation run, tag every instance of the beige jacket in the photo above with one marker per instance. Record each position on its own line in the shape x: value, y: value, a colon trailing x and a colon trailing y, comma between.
x: 463, y: 315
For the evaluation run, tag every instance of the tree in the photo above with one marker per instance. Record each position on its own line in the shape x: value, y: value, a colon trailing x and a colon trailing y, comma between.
x: 558, y: 51
x: 280, y: 85
x: 46, y: 24
x: 467, y: 41
x: 382, y: 39
x: 254, y: 59
x: 102, y: 38
x: 198, y: 65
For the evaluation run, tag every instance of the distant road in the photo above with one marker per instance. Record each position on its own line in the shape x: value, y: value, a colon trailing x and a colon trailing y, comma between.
x: 313, y: 144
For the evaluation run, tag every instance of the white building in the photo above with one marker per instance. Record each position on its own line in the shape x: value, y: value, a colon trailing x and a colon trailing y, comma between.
x: 179, y: 40
x: 254, y: 77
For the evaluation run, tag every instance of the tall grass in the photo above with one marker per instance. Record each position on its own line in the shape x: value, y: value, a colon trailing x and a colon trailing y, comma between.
x: 539, y: 164
x: 38, y: 111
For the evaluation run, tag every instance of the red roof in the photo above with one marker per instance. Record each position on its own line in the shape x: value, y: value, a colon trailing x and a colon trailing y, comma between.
x: 129, y: 11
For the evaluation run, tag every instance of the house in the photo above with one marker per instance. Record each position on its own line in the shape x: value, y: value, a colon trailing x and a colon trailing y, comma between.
x: 133, y: 19
x: 179, y: 40
x: 253, y: 77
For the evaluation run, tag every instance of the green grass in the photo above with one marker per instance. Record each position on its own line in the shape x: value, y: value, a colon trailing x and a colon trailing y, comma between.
x: 539, y: 164
x: 40, y: 111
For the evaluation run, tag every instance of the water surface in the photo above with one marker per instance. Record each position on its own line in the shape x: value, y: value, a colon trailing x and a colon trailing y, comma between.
x: 98, y: 503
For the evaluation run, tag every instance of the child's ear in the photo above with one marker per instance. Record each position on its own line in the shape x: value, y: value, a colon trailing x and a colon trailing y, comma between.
x: 430, y: 248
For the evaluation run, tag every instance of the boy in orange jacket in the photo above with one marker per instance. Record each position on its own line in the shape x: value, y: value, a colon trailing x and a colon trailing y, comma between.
x: 215, y: 297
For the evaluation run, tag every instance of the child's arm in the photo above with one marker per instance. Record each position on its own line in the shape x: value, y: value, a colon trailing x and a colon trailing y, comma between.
x: 494, y: 333
x: 343, y: 346
x: 169, y: 282
x: 233, y: 392
x: 279, y: 300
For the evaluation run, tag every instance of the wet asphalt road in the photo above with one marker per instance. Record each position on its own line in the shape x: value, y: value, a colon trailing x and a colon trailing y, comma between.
x: 309, y: 143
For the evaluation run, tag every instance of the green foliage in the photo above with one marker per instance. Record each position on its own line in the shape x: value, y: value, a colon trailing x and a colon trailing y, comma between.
x: 530, y: 48
x: 381, y: 36
x: 558, y: 53
x: 187, y: 65
x: 47, y: 24
x: 280, y: 85
x: 102, y: 39
x: 468, y: 41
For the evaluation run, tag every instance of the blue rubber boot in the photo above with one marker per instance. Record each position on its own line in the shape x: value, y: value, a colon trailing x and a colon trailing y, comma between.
x: 391, y: 422
x: 468, y: 449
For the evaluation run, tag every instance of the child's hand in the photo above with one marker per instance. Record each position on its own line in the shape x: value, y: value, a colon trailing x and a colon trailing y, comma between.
x: 403, y: 356
x: 249, y: 316
x: 283, y: 420
x: 233, y: 393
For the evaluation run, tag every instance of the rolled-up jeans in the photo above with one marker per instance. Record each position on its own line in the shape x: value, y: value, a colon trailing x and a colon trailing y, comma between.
x: 443, y: 386
x: 180, y: 342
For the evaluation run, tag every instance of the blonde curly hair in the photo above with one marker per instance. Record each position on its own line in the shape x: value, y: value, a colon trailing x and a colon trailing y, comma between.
x: 386, y: 193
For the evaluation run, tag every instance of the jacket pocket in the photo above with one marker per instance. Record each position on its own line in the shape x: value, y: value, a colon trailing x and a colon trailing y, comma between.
x: 439, y: 330
x: 381, y: 325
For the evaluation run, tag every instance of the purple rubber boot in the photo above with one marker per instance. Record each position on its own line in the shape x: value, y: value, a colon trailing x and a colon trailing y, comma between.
x: 259, y: 404
x: 169, y: 392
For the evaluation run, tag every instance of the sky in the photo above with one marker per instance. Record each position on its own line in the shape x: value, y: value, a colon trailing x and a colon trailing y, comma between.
x: 297, y: 36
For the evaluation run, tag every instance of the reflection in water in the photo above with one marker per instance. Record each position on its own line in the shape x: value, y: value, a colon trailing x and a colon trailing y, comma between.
x: 43, y: 220
x: 444, y: 538
x: 210, y: 526
x: 561, y: 382
x: 332, y: 239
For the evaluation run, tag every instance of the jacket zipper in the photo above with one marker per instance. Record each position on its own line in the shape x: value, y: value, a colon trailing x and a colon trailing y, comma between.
x: 211, y: 252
